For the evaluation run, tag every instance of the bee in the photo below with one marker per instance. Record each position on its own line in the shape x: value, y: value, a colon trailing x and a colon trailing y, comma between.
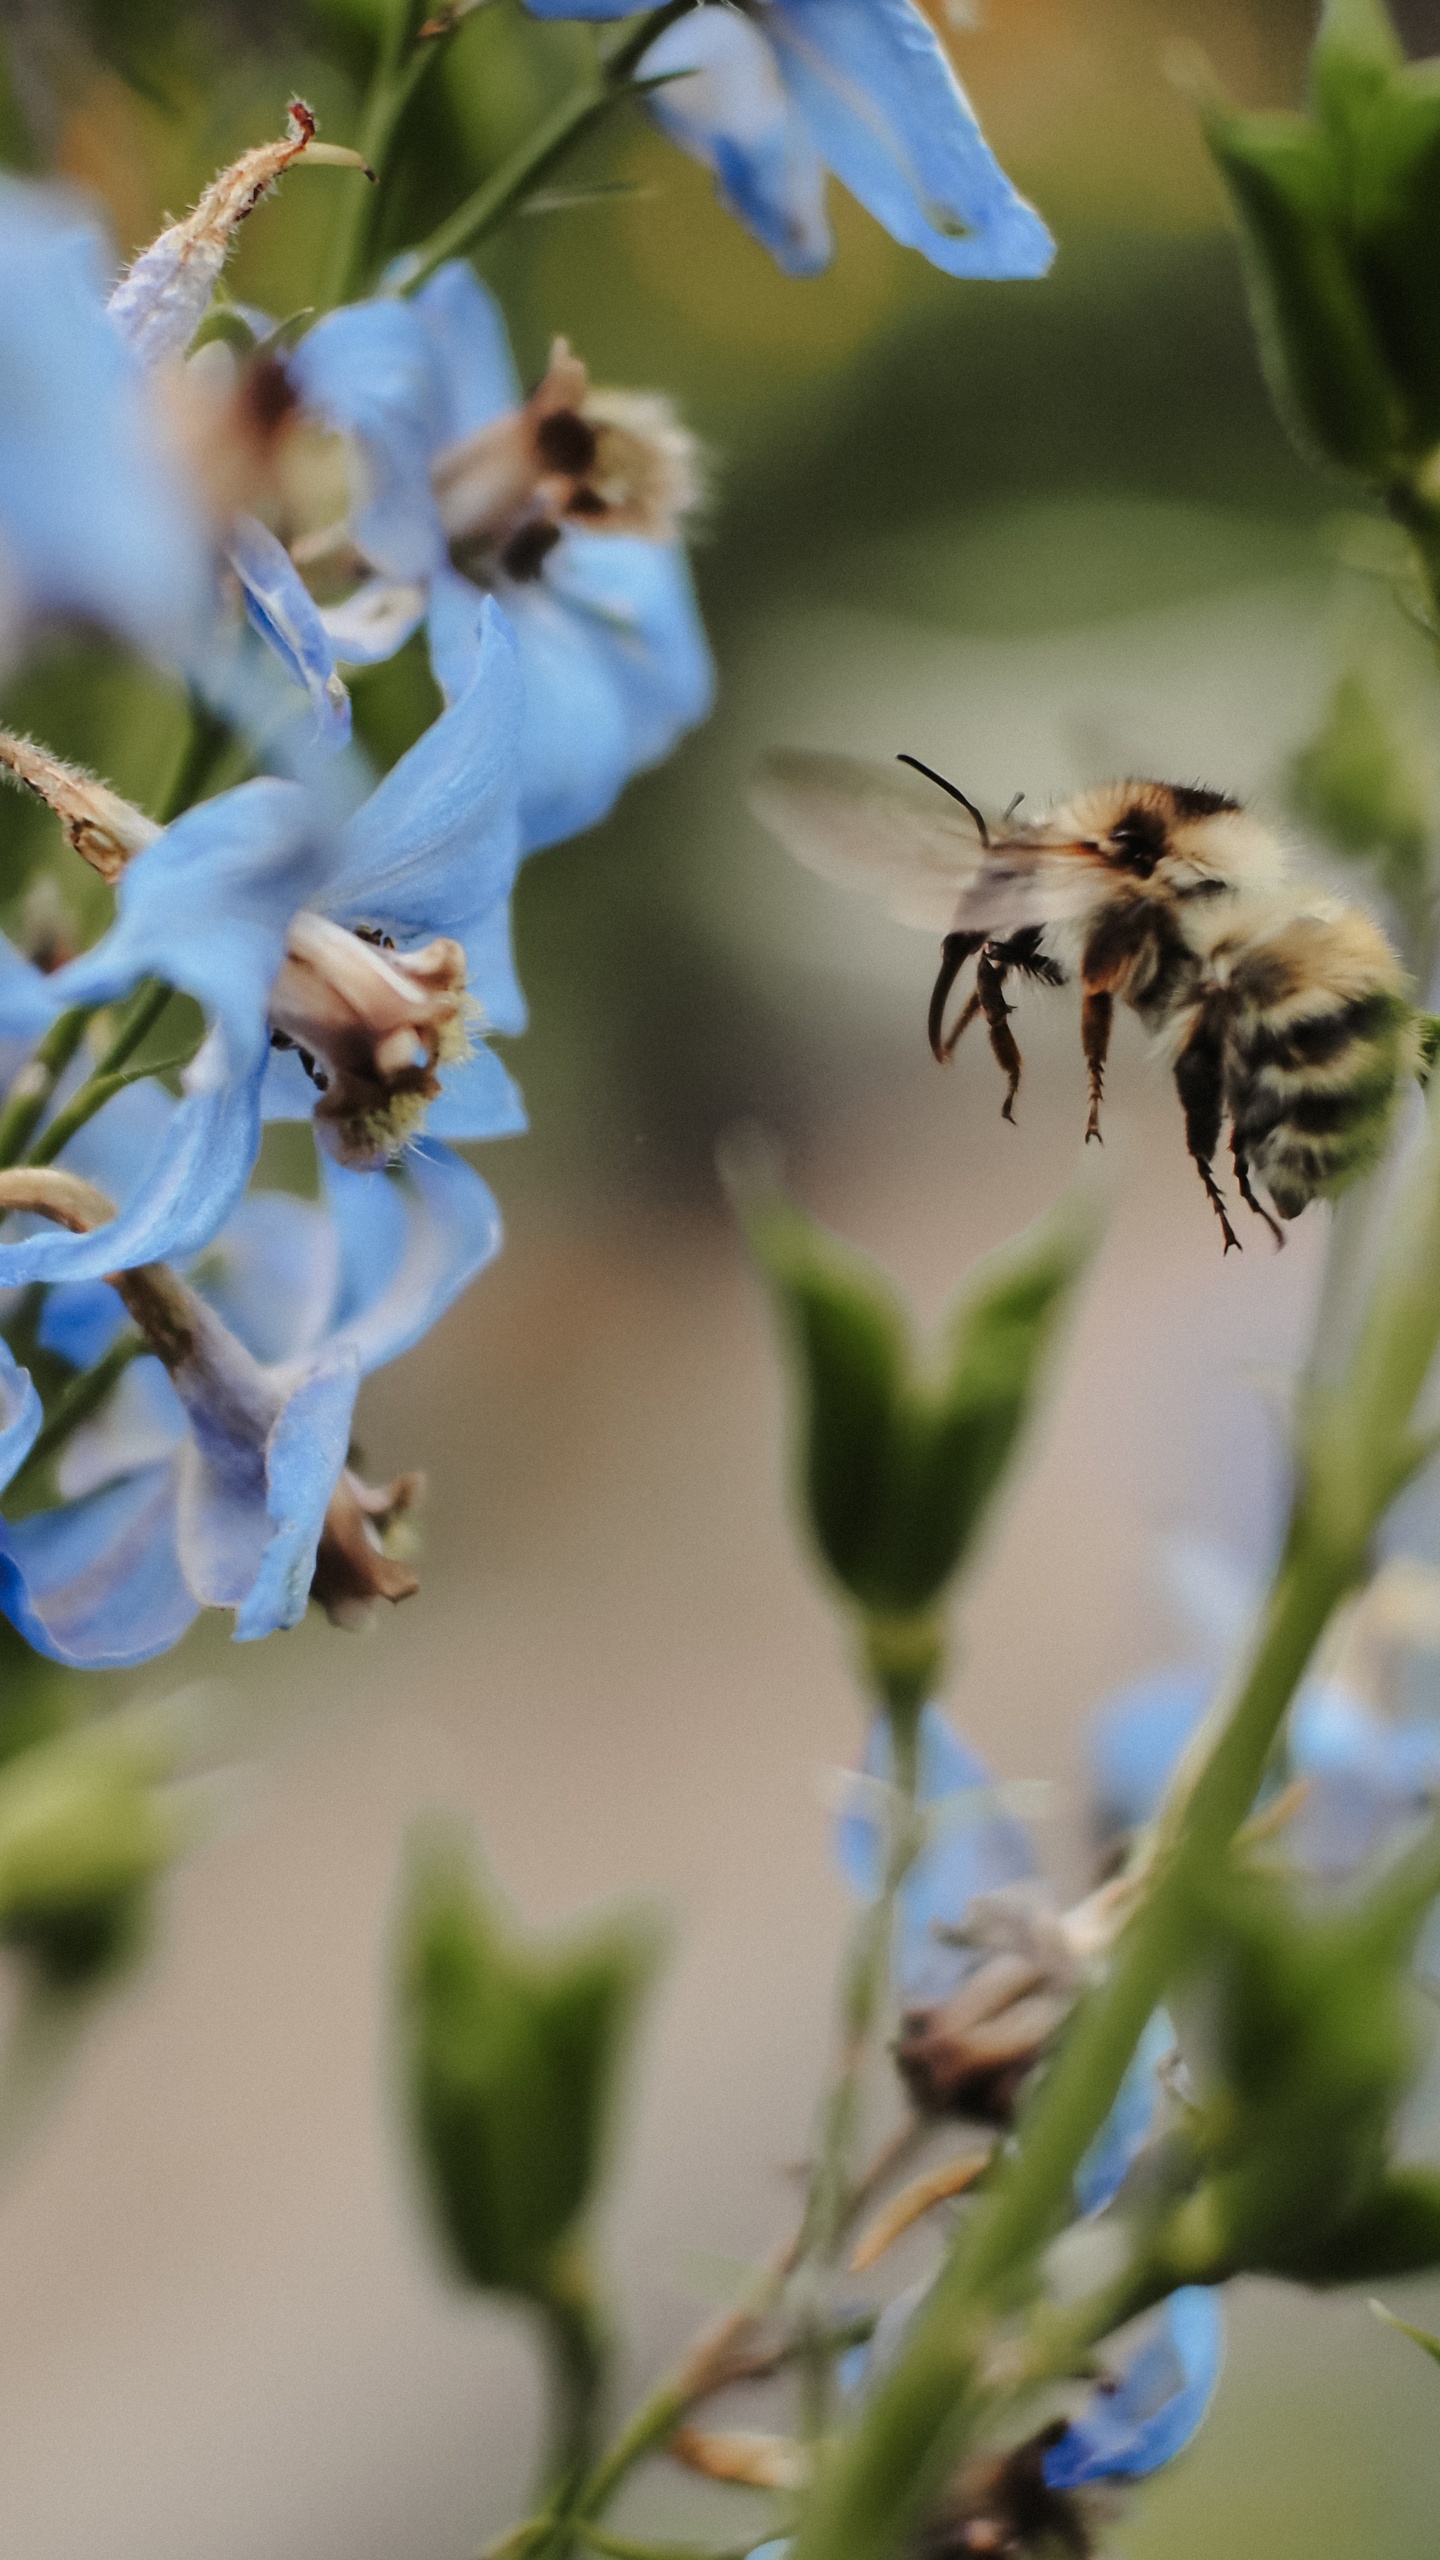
x: 1280, y: 1012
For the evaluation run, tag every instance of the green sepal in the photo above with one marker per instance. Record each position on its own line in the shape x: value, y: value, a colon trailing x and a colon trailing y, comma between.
x: 85, y: 1831
x: 1355, y: 56
x: 1320, y: 349
x: 900, y: 1459
x: 1362, y: 787
x: 1307, y: 2042
x: 1395, y: 214
x: 510, y: 2054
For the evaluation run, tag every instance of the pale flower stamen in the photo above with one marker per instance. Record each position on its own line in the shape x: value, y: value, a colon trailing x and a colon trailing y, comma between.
x: 374, y: 1026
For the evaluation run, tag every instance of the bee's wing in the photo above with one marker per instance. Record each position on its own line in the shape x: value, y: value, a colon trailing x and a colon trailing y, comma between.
x: 887, y: 831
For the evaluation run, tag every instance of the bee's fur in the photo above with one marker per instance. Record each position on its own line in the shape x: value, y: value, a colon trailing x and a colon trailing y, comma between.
x: 1283, y: 1014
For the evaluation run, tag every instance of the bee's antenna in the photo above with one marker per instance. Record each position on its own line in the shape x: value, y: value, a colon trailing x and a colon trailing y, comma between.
x: 1014, y: 805
x: 954, y: 790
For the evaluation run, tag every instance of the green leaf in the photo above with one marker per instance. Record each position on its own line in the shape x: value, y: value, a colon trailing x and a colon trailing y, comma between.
x: 1355, y: 56
x: 1422, y: 2337
x: 1366, y: 789
x: 1318, y: 341
x: 510, y: 2056
x: 85, y: 1831
x: 1395, y: 216
x: 899, y: 1459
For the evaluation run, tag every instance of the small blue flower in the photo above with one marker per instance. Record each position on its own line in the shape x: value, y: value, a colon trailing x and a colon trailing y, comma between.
x: 1145, y: 2414
x: 781, y: 91
x: 97, y: 519
x: 220, y: 1478
x: 974, y: 1850
x: 362, y: 942
x: 472, y: 490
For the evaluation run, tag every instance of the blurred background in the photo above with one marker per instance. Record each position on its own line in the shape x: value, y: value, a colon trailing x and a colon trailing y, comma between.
x: 1034, y: 534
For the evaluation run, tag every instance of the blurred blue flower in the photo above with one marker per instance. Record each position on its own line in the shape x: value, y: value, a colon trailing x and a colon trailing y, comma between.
x: 977, y: 2011
x: 98, y: 520
x: 776, y: 94
x: 472, y: 490
x: 219, y: 1479
x: 366, y: 944
x: 1141, y: 2417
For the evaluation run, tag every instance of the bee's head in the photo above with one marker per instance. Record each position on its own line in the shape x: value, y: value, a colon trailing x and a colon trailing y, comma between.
x: 1178, y: 836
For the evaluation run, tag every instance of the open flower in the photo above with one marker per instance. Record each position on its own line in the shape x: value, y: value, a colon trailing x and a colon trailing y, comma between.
x: 216, y: 1474
x: 770, y: 95
x: 377, y: 950
x: 565, y: 507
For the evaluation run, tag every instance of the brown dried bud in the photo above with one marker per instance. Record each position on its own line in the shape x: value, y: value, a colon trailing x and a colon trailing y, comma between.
x: 1002, y: 2508
x: 102, y: 827
x: 971, y: 2055
x: 373, y: 1025
x: 352, y: 1569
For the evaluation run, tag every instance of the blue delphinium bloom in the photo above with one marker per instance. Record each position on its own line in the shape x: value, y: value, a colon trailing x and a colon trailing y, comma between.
x: 1365, y: 1777
x: 98, y: 520
x: 782, y: 90
x: 1140, y: 2417
x: 976, y: 1854
x: 217, y: 1478
x: 354, y: 941
x: 472, y: 490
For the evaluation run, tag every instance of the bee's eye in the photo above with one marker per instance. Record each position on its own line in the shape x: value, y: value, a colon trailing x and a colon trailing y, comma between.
x: 1139, y: 840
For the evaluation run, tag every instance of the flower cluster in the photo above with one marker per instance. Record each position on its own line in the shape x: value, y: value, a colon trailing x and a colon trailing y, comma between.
x: 259, y: 509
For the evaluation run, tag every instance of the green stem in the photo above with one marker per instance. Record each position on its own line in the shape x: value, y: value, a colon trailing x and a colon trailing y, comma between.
x: 206, y: 741
x: 396, y: 76
x: 1356, y: 1448
x: 588, y: 102
x: 618, y: 2546
x: 77, y: 1400
x: 31, y: 1091
x: 578, y: 2355
x: 862, y: 2004
x: 93, y: 1095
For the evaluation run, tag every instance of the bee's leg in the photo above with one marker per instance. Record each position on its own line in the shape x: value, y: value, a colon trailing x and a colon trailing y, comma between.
x: 1197, y: 1081
x: 958, y: 1028
x: 1242, y: 1184
x: 955, y: 950
x: 1097, y: 1013
x: 990, y: 988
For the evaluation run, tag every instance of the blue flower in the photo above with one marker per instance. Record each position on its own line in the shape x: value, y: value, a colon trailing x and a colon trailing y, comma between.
x: 1142, y: 2416
x: 780, y: 92
x: 217, y: 1476
x: 354, y: 941
x: 97, y: 519
x: 563, y: 506
x: 983, y: 1966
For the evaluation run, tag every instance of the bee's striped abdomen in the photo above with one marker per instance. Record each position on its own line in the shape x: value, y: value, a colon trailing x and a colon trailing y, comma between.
x: 1319, y: 1038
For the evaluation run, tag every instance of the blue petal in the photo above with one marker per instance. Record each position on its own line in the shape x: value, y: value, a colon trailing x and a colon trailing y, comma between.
x: 1128, y: 2126
x: 735, y: 117
x: 889, y: 117
x: 489, y: 947
x: 479, y: 1098
x: 372, y: 369
x: 21, y: 1414
x: 189, y: 1189
x: 98, y: 1583
x: 641, y: 596
x: 140, y: 1422
x: 283, y: 611
x: 1366, y: 1780
x: 451, y: 1229
x: 575, y: 732
x: 305, y: 1453
x: 26, y: 1008
x: 80, y: 1322
x: 971, y: 1849
x: 435, y: 846
x: 96, y: 517
x: 1135, y: 1741
x: 273, y: 1275
x: 375, y: 621
x: 474, y: 369
x: 1151, y: 2410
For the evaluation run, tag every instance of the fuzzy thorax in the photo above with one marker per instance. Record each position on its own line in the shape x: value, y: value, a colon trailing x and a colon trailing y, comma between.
x: 373, y: 1026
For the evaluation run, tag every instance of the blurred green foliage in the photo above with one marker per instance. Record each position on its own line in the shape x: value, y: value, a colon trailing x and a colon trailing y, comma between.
x: 510, y: 2055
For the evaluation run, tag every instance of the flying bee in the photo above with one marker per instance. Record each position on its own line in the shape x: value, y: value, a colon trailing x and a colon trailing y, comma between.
x: 1282, y: 1013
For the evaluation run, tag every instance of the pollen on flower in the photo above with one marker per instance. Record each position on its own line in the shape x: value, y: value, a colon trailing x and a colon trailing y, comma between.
x: 374, y: 1026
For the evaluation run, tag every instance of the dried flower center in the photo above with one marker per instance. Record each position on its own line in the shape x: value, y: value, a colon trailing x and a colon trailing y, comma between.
x: 372, y: 1026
